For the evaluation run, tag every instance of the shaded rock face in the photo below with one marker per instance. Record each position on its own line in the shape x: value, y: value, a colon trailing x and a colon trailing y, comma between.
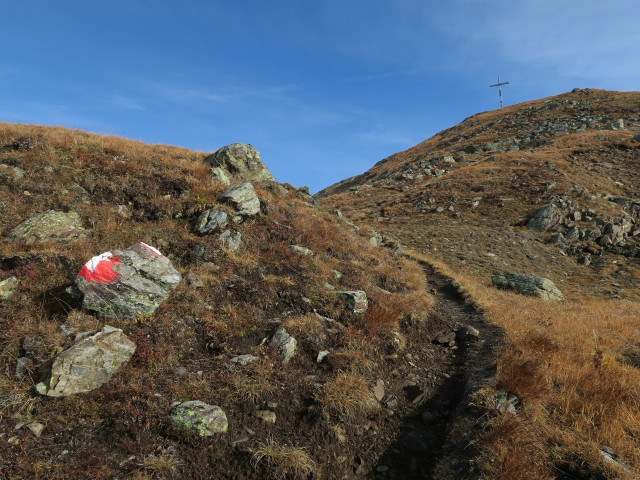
x: 545, y: 219
x: 126, y: 284
x: 49, y: 226
x: 242, y: 161
x: 211, y: 221
x: 243, y: 198
x: 356, y: 301
x: 528, y: 285
x: 88, y: 364
x: 202, y: 418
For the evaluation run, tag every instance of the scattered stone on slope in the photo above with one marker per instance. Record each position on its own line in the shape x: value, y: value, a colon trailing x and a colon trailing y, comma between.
x: 243, y: 360
x: 49, y: 226
x: 446, y: 338
x: 528, y: 285
x: 284, y: 343
x: 88, y: 364
x: 127, y: 283
x: 242, y: 161
x: 267, y: 416
x: 243, y: 198
x: 7, y: 287
x: 231, y: 240
x: 545, y: 219
x: 301, y: 250
x: 24, y: 367
x: 202, y: 418
x: 211, y: 221
x: 355, y: 300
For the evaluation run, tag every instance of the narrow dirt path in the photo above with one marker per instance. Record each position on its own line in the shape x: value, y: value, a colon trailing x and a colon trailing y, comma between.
x: 437, y: 427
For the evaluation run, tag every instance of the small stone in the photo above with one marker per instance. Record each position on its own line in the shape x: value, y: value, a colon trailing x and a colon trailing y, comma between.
x: 180, y: 371
x: 200, y: 417
x: 36, y: 428
x: 382, y: 469
x: 14, y: 440
x: 7, y: 287
x: 211, y: 221
x: 24, y: 366
x: 267, y: 416
x: 301, y: 250
x: 285, y: 344
x: 356, y: 300
x: 378, y: 390
x: 231, y: 240
x: 322, y: 355
x: 446, y: 338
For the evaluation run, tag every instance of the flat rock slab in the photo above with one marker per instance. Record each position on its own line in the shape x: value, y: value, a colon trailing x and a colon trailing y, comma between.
x: 127, y: 283
x: 49, y: 226
x: 528, y: 285
x: 88, y: 364
x: 202, y: 418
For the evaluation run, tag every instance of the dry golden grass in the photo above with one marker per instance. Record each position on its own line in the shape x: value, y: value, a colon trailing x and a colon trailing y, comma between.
x: 285, y: 461
x: 160, y: 466
x: 563, y: 360
x: 348, y: 395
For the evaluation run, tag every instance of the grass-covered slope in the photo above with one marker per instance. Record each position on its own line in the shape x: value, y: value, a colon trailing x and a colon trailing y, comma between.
x: 463, y: 199
x: 228, y: 304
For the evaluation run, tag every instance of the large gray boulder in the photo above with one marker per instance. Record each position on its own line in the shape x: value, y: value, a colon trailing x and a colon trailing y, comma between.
x: 49, y: 226
x: 242, y: 161
x: 199, y: 417
x: 545, y: 219
x: 127, y: 283
x: 528, y: 285
x: 211, y: 221
x: 88, y: 364
x: 243, y: 198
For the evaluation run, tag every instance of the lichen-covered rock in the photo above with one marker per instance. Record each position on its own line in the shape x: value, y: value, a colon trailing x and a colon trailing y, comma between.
x: 202, y: 418
x: 49, y: 226
x: 127, y: 283
x: 528, y: 285
x: 211, y: 221
x: 284, y: 343
x: 356, y: 300
x: 242, y: 161
x: 7, y: 287
x: 243, y: 198
x: 88, y: 364
x: 545, y: 219
x: 231, y: 240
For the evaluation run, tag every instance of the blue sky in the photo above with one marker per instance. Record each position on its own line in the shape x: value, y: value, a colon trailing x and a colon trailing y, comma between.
x: 323, y: 89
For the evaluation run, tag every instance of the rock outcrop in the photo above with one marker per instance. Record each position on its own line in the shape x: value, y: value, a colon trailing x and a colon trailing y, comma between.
x: 88, y: 364
x: 211, y: 221
x: 242, y: 161
x: 356, y: 300
x: 127, y: 283
x: 528, y: 285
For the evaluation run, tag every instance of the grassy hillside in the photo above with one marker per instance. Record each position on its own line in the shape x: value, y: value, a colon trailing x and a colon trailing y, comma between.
x: 463, y: 199
x: 228, y: 304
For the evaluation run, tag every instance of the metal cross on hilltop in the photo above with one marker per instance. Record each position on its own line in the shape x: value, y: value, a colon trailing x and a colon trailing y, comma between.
x: 499, y: 85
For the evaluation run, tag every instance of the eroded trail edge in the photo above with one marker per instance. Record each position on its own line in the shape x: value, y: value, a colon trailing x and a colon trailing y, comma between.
x: 446, y: 360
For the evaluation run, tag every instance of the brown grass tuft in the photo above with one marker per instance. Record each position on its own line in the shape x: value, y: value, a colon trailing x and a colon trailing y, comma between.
x: 347, y: 395
x: 285, y: 461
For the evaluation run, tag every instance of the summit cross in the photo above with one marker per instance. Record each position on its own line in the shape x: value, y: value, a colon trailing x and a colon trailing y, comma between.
x: 499, y: 85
